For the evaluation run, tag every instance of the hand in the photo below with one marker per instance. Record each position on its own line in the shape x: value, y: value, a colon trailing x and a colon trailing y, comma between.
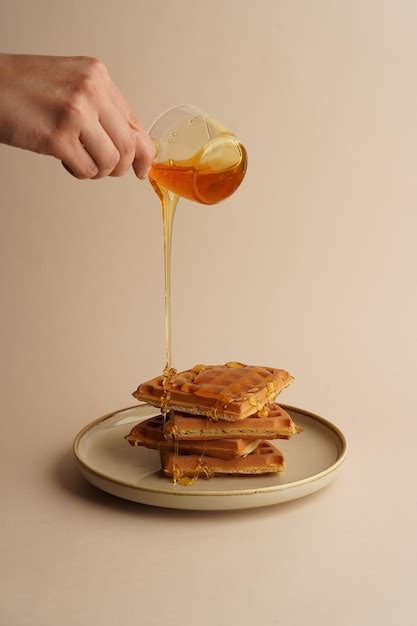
x: 69, y: 108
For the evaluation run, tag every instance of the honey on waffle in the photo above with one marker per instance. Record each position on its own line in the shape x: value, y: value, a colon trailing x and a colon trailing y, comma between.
x: 232, y: 392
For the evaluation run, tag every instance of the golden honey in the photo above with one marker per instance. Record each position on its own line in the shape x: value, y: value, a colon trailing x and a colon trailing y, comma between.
x: 202, y: 178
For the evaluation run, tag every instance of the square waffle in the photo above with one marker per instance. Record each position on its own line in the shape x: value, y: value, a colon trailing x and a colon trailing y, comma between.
x: 149, y: 434
x: 266, y: 459
x: 229, y: 392
x: 278, y: 425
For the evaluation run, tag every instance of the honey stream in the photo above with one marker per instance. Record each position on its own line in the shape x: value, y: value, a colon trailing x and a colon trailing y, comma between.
x: 207, y: 182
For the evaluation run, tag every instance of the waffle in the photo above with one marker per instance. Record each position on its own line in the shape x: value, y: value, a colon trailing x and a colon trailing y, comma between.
x: 266, y: 459
x: 278, y: 425
x: 149, y: 435
x: 229, y: 392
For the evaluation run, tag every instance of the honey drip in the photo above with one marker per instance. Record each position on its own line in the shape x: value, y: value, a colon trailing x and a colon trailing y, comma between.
x: 210, y: 176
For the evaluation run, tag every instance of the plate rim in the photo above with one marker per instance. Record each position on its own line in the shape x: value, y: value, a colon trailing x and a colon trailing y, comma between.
x: 205, y: 493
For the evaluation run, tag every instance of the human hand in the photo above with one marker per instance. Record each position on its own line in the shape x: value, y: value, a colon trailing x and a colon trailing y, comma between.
x: 69, y: 108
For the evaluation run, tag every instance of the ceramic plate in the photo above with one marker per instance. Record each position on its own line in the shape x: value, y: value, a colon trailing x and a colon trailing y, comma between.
x: 106, y: 460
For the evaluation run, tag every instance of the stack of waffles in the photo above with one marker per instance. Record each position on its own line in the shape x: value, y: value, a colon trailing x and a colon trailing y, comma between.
x: 220, y: 421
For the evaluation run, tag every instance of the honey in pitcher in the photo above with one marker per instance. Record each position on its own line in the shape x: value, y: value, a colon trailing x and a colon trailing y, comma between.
x: 208, y: 177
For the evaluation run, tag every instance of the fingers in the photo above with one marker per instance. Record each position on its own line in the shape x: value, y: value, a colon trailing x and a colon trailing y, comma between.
x: 100, y: 148
x: 77, y: 161
x: 115, y: 145
x: 145, y: 149
x: 122, y: 135
x: 108, y: 151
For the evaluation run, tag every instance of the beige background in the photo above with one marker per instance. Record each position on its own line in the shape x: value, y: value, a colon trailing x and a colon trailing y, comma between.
x: 310, y: 266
